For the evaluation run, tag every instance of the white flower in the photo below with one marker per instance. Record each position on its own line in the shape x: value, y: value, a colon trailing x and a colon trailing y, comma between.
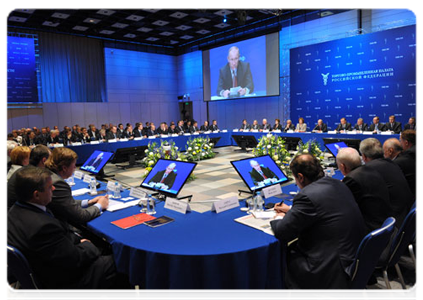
x: 269, y: 146
x: 178, y: 158
x: 202, y: 154
x: 278, y: 162
x: 305, y: 151
x: 146, y: 151
x: 150, y: 163
x: 211, y: 144
x: 189, y: 149
x: 151, y: 154
x: 176, y: 148
x: 196, y: 148
x: 275, y: 157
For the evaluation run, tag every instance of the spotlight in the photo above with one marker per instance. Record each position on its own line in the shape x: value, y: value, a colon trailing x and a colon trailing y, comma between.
x: 224, y: 19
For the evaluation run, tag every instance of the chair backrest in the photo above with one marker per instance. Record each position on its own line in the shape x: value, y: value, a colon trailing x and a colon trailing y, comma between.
x: 19, y: 267
x: 403, y: 238
x: 368, y: 254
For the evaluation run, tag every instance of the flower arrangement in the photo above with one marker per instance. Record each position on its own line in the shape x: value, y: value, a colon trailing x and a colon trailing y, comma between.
x: 199, y: 148
x: 311, y: 147
x: 275, y: 147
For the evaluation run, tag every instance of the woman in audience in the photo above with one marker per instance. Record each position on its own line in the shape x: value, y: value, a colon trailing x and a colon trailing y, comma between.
x: 301, y: 126
x: 19, y: 157
x: 277, y: 125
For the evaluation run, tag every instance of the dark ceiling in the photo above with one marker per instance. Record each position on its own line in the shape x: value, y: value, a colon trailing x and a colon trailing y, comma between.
x: 156, y: 27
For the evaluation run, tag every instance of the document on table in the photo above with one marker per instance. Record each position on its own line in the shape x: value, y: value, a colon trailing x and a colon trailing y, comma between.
x: 117, y: 205
x: 260, y: 224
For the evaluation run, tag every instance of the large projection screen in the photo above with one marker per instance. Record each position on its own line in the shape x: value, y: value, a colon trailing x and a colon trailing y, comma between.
x: 256, y: 65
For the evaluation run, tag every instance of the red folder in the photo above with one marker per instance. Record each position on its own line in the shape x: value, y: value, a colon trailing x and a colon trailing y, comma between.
x: 134, y: 220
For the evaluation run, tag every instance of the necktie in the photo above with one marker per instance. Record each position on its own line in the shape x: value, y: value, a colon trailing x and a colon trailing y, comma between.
x: 234, y: 79
x: 262, y: 174
x: 163, y: 179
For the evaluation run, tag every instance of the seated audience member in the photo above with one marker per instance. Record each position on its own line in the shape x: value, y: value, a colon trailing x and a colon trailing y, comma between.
x: 10, y: 146
x: 37, y: 158
x: 205, y: 126
x: 213, y: 126
x: 411, y: 124
x: 172, y: 129
x: 361, y: 126
x: 376, y: 126
x: 93, y: 132
x: 17, y: 137
x: 392, y: 149
x: 265, y: 125
x: 112, y: 134
x: 180, y: 128
x: 53, y: 138
x: 367, y: 186
x: 400, y: 196
x: 194, y: 128
x: 255, y: 125
x: 320, y: 127
x: 277, y: 125
x: 58, y: 258
x: 120, y: 129
x: 328, y: 224
x: 163, y: 128
x: 64, y: 207
x: 406, y: 160
x: 30, y: 140
x: 289, y: 126
x: 152, y: 130
x: 410, y: 142
x: 139, y: 130
x: 245, y: 126
x: 393, y: 125
x: 19, y: 157
x: 187, y: 126
x: 128, y: 133
x: 102, y: 135
x: 70, y: 138
x: 85, y: 137
x: 343, y: 125
x: 301, y: 126
x: 42, y: 138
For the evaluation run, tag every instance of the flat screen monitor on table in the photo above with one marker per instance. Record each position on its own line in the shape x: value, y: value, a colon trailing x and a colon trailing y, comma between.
x: 245, y: 141
x: 291, y: 142
x: 168, y: 176
x: 335, y: 147
x: 95, y: 163
x: 129, y: 154
x: 259, y: 172
x: 353, y: 143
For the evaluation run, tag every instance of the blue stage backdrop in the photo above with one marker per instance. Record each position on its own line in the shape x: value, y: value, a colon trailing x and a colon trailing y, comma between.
x: 363, y: 76
x: 21, y: 70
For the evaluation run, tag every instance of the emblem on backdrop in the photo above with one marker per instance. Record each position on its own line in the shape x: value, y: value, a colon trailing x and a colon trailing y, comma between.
x: 325, y: 78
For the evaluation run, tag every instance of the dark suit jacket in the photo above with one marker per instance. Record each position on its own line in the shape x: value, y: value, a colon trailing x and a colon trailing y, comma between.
x: 12, y: 197
x: 56, y: 255
x: 291, y: 127
x: 408, y: 126
x: 328, y: 224
x: 266, y: 127
x: 127, y: 134
x: 371, y: 194
x: 193, y: 129
x: 323, y: 128
x: 256, y: 177
x: 137, y: 133
x: 172, y: 131
x: 380, y: 126
x: 347, y: 127
x: 94, y: 136
x: 246, y: 126
x: 255, y: 127
x: 51, y: 140
x: 400, y: 196
x: 111, y: 136
x: 66, y: 208
x: 94, y: 163
x: 179, y: 129
x: 160, y: 131
x: 204, y: 128
x: 364, y: 127
x: 151, y: 132
x: 277, y: 127
x: 244, y: 77
x: 214, y: 127
x: 169, y: 180
x: 406, y: 160
x: 396, y: 127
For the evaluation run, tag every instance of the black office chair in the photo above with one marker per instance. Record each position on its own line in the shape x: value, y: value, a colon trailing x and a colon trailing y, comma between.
x: 18, y: 267
x: 368, y: 254
x: 401, y: 242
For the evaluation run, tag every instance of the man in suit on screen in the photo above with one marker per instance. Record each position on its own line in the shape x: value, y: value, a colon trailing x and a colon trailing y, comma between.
x: 235, y: 74
x: 165, y: 178
x: 261, y: 175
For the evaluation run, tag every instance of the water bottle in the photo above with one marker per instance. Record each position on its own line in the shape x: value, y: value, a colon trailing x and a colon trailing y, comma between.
x: 93, y: 186
x: 116, y: 192
x: 110, y: 191
x: 151, y: 210
x: 259, y: 202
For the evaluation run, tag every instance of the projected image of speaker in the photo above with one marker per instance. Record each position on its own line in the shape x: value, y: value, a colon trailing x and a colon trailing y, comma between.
x: 291, y: 142
x: 245, y: 141
x: 259, y: 172
x: 335, y: 147
x: 353, y: 143
x: 96, y: 162
x: 168, y: 177
x: 130, y: 155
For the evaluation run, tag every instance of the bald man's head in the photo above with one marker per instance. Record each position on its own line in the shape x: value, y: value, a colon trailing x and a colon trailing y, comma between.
x: 391, y: 148
x: 347, y: 160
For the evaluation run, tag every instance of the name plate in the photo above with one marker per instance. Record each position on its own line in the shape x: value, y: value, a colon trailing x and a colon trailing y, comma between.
x: 78, y: 174
x: 224, y: 130
x: 138, y: 138
x: 77, y: 144
x: 277, y: 131
x: 225, y: 204
x: 386, y: 133
x: 235, y: 130
x: 272, y: 191
x: 291, y: 131
x: 196, y: 133
x: 164, y: 136
x: 207, y: 132
x: 137, y: 192
x: 58, y: 145
x: 266, y: 130
x: 216, y: 131
x: 332, y: 132
x: 151, y: 137
x: 187, y: 133
x: 177, y: 205
x: 95, y: 142
x: 123, y: 140
x: 87, y: 178
x: 174, y: 134
x: 112, y: 141
x: 351, y: 132
x: 254, y: 130
x: 368, y: 132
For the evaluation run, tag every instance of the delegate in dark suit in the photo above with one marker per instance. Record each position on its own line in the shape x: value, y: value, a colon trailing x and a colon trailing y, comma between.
x: 290, y: 127
x: 371, y: 194
x: 111, y: 136
x: 400, y: 196
x: 256, y: 177
x: 323, y: 127
x: 244, y: 77
x: 346, y: 126
x: 58, y: 258
x: 245, y: 126
x: 169, y: 180
x: 406, y: 160
x: 362, y: 127
x: 380, y: 127
x: 328, y: 224
x: 277, y: 127
x: 66, y: 208
x: 204, y: 128
x: 396, y: 127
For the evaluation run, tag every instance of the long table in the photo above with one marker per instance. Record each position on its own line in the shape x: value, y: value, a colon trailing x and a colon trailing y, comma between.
x: 84, y: 151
